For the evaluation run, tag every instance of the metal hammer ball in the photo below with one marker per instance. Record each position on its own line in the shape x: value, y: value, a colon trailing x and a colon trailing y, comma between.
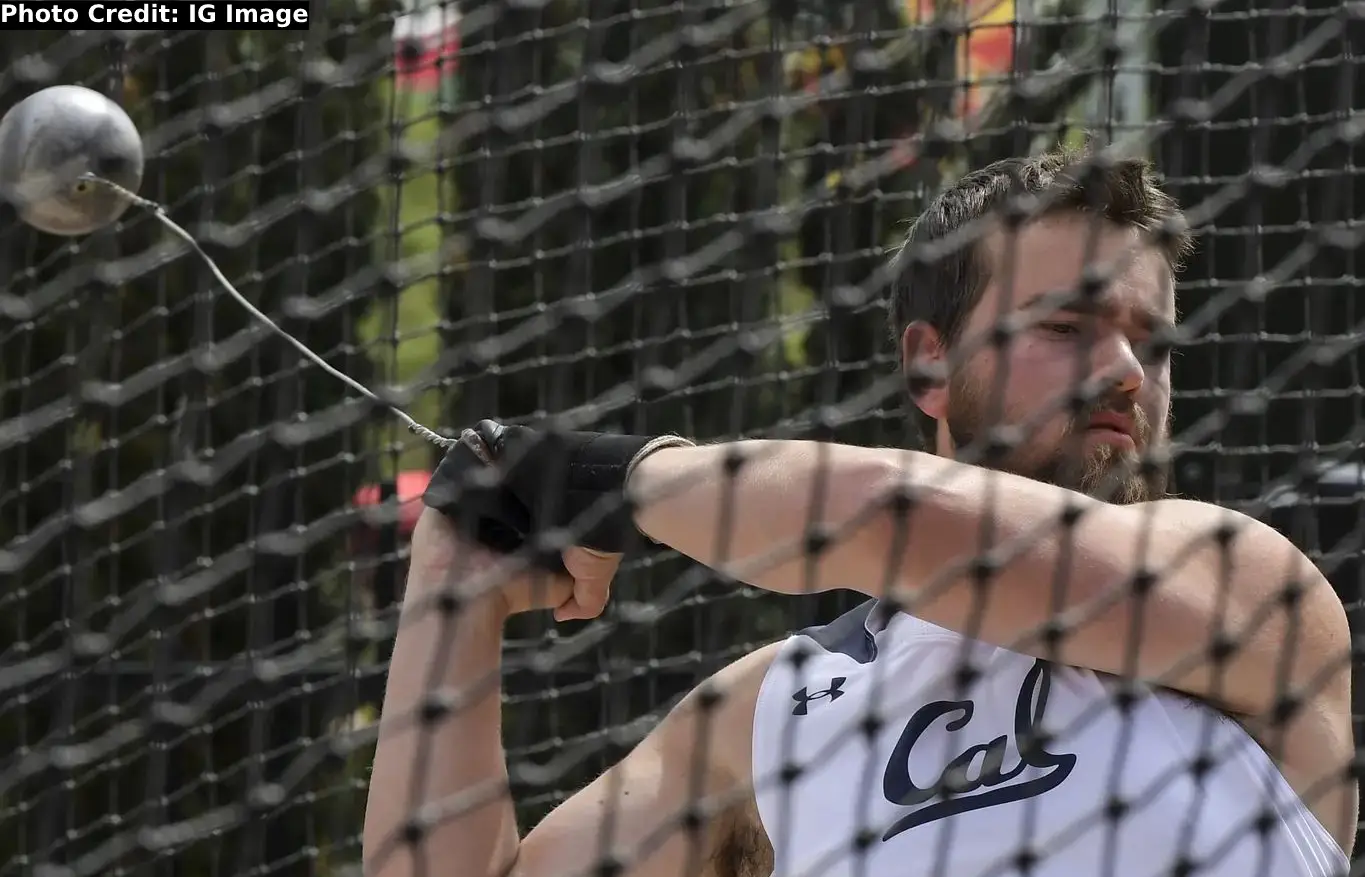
x: 50, y: 142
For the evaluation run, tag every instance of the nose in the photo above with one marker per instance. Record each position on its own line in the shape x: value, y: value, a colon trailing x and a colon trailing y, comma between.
x: 1115, y: 364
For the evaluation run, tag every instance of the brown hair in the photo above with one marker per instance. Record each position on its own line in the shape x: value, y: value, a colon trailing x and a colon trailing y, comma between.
x: 941, y: 284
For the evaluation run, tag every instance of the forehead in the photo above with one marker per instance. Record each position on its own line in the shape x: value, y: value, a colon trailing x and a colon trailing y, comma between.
x: 1054, y: 255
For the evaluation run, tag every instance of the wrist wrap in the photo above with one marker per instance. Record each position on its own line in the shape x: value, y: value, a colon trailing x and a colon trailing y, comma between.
x: 512, y: 484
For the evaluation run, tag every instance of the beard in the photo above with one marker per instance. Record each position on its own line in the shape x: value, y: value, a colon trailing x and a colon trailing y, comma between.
x: 1104, y: 472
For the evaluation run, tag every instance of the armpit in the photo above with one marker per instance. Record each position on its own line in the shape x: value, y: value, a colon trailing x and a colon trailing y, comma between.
x: 743, y: 849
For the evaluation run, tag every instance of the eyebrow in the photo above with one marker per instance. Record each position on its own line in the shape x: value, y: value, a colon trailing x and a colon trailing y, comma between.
x: 1072, y: 302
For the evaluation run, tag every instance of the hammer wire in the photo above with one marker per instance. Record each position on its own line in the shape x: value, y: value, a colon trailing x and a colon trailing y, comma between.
x: 159, y: 211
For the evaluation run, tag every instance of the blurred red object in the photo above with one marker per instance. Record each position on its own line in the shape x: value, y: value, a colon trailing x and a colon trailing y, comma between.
x: 408, y: 488
x: 426, y: 45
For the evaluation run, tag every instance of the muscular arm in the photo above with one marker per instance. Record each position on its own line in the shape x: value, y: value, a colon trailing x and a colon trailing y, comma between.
x: 1139, y: 591
x: 452, y: 763
x: 693, y: 764
x: 1191, y: 596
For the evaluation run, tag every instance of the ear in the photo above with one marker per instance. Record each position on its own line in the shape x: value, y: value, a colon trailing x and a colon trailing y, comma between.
x: 926, y: 368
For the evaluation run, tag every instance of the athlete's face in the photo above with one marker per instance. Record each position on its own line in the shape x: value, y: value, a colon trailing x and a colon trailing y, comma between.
x: 1064, y: 343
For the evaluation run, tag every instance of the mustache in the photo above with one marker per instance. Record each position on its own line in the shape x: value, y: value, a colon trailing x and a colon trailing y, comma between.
x: 1119, y: 405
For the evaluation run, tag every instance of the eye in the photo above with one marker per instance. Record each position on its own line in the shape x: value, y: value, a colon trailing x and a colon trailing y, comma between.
x: 82, y: 186
x: 1063, y: 329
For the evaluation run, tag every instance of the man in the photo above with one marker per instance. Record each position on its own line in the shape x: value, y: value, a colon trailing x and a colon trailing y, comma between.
x: 983, y: 715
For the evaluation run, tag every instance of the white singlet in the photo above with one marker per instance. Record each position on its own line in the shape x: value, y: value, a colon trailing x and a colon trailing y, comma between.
x: 871, y: 760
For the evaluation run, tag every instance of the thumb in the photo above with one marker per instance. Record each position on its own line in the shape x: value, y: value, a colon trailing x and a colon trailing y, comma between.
x: 588, y: 563
x: 592, y: 573
x: 584, y: 601
x: 591, y: 595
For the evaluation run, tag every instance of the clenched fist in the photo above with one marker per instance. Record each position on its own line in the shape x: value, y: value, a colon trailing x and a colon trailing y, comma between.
x: 443, y: 558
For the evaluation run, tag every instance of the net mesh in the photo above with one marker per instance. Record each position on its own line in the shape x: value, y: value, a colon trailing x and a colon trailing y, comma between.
x: 675, y: 213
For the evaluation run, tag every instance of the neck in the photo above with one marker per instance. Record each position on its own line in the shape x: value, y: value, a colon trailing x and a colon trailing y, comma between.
x: 943, y: 442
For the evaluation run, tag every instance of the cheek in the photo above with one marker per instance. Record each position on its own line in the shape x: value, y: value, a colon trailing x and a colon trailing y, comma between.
x: 1025, y: 384
x: 1041, y: 377
x: 1156, y: 394
x: 1023, y: 367
x: 1158, y: 372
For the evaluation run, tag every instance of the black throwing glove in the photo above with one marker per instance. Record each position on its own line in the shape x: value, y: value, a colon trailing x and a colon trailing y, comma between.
x: 505, y: 486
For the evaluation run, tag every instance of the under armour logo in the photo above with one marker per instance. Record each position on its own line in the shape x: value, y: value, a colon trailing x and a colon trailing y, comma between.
x: 802, y: 697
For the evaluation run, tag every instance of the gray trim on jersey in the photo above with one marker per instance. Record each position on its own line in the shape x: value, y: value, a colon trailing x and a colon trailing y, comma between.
x: 854, y: 632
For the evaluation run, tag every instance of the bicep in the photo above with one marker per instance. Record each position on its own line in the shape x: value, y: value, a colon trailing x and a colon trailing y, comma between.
x: 1230, y: 611
x: 667, y: 807
x: 1191, y: 596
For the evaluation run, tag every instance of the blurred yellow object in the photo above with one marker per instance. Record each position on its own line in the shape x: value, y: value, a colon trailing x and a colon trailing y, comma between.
x: 806, y: 66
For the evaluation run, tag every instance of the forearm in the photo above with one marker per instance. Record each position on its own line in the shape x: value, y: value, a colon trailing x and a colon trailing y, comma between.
x: 453, y: 766
x: 754, y: 522
x: 995, y: 556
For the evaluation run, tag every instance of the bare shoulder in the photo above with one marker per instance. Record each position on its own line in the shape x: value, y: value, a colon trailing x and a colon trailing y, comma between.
x: 715, y: 722
x: 721, y: 711
x: 679, y: 804
x: 1262, y: 593
x: 1200, y: 520
x: 1291, y: 612
x: 1262, y: 562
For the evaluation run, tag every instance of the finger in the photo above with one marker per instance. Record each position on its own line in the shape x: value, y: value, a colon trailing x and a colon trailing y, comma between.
x: 569, y: 610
